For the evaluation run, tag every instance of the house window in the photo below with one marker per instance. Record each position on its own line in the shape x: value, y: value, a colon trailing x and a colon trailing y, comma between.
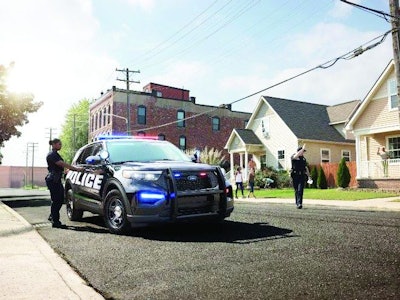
x: 215, y: 124
x: 281, y: 159
x: 392, y: 92
x: 161, y: 137
x: 182, y: 142
x: 141, y: 115
x: 325, y: 155
x: 394, y: 147
x: 265, y: 127
x: 346, y: 155
x: 281, y: 154
x: 180, y: 116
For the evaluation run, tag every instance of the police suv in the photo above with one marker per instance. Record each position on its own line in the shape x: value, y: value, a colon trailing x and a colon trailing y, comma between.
x: 137, y: 181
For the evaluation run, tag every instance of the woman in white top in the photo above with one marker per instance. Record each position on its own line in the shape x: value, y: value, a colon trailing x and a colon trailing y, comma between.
x: 239, y: 181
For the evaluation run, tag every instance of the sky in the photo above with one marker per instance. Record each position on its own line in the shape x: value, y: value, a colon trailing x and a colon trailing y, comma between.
x: 221, y: 50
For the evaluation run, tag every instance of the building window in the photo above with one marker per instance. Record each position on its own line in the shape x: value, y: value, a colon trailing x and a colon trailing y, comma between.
x: 281, y: 159
x: 281, y: 154
x: 265, y: 127
x: 392, y: 92
x: 182, y: 142
x: 141, y: 115
x: 161, y: 137
x: 245, y: 123
x: 325, y: 155
x: 180, y: 116
x: 215, y: 124
x: 394, y: 147
x: 346, y: 155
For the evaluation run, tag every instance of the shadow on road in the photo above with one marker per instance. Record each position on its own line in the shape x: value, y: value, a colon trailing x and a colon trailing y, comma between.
x: 226, y: 232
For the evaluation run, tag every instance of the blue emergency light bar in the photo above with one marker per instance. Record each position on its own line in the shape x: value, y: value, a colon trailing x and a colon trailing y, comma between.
x: 119, y: 137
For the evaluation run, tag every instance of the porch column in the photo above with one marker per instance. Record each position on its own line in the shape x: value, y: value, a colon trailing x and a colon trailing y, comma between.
x: 358, y: 157
x: 246, y: 162
x: 232, y: 177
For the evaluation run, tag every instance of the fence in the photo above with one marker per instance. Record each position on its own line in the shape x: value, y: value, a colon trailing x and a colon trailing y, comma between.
x: 330, y: 171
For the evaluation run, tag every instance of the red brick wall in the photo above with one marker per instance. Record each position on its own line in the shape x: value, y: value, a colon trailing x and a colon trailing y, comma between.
x: 168, y: 91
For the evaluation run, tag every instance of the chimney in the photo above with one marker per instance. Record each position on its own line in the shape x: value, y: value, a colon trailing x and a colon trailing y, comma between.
x: 193, y: 100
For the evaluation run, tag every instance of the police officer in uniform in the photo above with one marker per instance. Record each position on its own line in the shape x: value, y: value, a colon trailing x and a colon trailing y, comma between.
x: 299, y: 174
x: 55, y: 166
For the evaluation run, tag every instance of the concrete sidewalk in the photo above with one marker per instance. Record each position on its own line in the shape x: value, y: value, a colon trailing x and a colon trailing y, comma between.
x: 30, y: 269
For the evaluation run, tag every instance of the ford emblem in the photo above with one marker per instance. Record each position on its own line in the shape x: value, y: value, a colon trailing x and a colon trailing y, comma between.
x: 192, y: 178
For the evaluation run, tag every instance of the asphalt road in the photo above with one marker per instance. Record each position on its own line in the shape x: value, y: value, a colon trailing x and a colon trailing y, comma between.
x: 263, y: 251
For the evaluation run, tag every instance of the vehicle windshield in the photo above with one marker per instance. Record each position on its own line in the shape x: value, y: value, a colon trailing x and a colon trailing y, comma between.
x: 144, y: 151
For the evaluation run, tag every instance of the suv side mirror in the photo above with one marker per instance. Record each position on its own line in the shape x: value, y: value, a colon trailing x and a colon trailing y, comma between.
x: 96, y: 159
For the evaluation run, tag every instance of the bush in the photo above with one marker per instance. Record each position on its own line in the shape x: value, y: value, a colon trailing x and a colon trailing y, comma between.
x: 321, y: 182
x: 281, y: 178
x: 343, y: 174
x: 314, y: 177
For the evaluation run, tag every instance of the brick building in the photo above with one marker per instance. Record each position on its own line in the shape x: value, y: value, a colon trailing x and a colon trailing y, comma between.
x: 167, y: 112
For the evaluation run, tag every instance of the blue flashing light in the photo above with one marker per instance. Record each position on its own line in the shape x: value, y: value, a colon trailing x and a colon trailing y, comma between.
x: 148, y: 197
x: 112, y: 137
x: 177, y: 175
x: 116, y: 137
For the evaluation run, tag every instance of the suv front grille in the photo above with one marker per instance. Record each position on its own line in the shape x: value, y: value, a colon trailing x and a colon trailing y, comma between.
x: 194, y: 180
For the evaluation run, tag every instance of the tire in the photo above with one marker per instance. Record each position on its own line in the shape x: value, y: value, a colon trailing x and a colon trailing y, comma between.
x: 72, y: 213
x: 115, y: 213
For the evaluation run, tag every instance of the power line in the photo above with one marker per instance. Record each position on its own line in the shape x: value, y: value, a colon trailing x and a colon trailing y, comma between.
x: 375, y: 12
x: 347, y: 56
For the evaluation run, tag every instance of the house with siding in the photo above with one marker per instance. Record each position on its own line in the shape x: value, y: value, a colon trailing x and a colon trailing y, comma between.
x: 278, y: 126
x: 376, y: 124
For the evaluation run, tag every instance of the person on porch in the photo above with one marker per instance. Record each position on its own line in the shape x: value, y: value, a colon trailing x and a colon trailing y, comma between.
x: 384, y: 156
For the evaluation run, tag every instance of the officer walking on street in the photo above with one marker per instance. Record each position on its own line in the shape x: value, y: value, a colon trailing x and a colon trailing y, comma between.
x: 299, y: 174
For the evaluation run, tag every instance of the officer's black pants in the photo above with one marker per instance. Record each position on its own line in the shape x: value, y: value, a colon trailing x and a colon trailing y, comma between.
x: 298, y: 185
x: 57, y: 199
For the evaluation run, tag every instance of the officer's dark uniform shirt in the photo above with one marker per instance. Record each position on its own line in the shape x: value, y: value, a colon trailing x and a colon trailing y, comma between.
x: 51, y: 159
x: 299, y: 166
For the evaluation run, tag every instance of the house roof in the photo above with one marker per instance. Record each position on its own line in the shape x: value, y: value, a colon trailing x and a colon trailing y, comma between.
x: 306, y: 120
x: 341, y: 113
x: 248, y: 136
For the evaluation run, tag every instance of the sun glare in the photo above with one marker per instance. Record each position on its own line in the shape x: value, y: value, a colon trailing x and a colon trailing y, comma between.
x: 15, y: 81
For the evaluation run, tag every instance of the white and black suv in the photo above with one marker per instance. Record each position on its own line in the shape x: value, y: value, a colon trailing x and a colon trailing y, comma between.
x: 133, y: 181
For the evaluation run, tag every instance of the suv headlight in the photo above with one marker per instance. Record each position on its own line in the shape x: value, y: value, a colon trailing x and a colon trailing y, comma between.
x: 142, y: 175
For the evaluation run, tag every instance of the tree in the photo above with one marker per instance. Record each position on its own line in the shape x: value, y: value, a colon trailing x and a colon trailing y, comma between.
x: 314, y: 176
x: 14, y: 108
x: 322, y: 184
x: 74, y: 132
x: 343, y: 174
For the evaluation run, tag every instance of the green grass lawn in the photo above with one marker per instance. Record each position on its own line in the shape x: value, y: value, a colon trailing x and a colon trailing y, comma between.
x: 328, y: 194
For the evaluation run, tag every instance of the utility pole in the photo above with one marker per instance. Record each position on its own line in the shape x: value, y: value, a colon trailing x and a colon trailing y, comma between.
x: 394, y: 11
x: 128, y: 104
x: 50, y: 134
x: 32, y: 146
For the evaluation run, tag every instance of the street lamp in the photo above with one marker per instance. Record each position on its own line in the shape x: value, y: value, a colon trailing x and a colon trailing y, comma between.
x: 126, y: 120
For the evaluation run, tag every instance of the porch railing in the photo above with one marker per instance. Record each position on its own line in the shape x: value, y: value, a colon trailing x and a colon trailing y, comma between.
x: 375, y: 169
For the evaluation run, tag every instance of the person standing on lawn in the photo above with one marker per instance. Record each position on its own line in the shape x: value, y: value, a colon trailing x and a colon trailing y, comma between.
x: 252, y: 175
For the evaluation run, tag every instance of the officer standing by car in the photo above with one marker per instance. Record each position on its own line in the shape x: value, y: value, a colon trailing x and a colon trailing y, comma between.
x: 55, y: 166
x: 299, y: 173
